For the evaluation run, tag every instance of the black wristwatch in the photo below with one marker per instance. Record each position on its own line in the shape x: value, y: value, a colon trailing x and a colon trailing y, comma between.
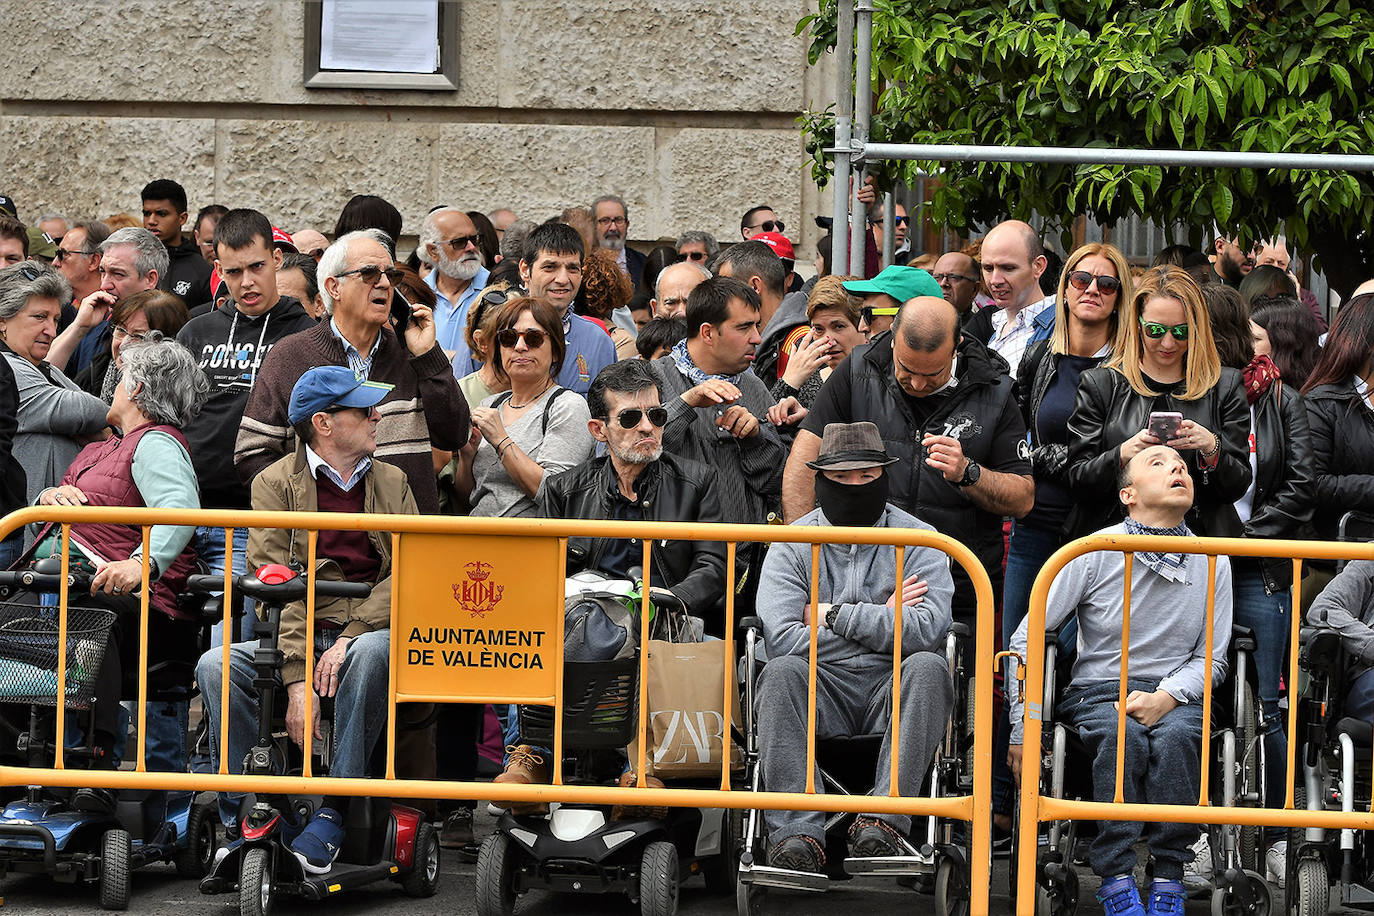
x: 830, y: 614
x: 971, y: 474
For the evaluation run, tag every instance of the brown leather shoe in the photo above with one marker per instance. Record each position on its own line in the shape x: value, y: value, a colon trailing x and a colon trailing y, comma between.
x: 525, y: 768
x: 639, y: 812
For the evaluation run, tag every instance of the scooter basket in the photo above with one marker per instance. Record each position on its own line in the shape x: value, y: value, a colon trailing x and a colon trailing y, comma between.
x: 599, y: 707
x: 28, y: 653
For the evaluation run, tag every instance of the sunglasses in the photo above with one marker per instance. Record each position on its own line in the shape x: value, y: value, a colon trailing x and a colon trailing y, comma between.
x: 534, y: 338
x: 1081, y: 280
x: 693, y: 256
x: 769, y: 225
x: 630, y: 417
x: 66, y: 253
x: 371, y: 274
x: 867, y: 313
x: 463, y: 241
x: 1154, y: 330
x: 901, y: 221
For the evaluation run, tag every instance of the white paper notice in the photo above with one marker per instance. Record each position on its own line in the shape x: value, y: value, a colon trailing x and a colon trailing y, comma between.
x: 380, y: 36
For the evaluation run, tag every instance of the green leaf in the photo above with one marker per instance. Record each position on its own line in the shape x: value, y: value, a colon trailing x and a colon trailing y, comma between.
x: 1222, y: 201
x: 1139, y: 196
x: 1342, y: 78
x: 1176, y: 122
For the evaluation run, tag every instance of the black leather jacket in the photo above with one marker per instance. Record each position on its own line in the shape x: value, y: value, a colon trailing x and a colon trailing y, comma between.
x: 1343, y: 454
x: 1285, y: 478
x: 670, y: 489
x: 1109, y: 411
x: 1033, y: 378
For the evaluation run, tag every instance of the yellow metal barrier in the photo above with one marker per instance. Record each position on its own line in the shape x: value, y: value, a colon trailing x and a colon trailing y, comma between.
x: 1037, y: 808
x: 528, y: 556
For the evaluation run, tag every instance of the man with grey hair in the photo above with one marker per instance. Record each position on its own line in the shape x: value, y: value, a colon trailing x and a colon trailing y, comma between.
x: 674, y: 284
x: 450, y: 242
x: 513, y: 239
x: 131, y: 260
x: 698, y: 246
x: 612, y: 228
x: 78, y: 259
x: 54, y: 226
x: 424, y: 409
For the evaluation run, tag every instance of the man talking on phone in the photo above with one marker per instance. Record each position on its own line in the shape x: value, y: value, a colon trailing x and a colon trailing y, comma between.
x: 425, y: 408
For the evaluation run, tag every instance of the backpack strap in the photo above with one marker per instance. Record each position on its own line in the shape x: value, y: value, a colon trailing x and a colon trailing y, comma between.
x: 548, y: 406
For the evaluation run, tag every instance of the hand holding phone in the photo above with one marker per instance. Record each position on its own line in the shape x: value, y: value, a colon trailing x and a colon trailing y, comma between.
x: 1164, y: 424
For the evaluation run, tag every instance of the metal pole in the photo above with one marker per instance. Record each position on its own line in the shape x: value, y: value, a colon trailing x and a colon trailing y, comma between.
x: 1079, y: 156
x: 863, y: 107
x: 844, y: 117
x: 890, y: 229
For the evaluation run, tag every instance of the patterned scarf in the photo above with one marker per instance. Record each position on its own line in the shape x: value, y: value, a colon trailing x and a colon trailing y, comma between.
x: 1168, y: 565
x: 1258, y: 376
x: 695, y: 374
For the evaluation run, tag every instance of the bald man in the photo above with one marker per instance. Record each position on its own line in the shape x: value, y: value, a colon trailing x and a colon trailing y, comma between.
x: 1013, y: 260
x: 929, y: 383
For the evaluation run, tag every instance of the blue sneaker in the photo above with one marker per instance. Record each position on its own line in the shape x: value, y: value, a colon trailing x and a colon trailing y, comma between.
x: 319, y: 843
x: 1167, y: 898
x: 1120, y: 897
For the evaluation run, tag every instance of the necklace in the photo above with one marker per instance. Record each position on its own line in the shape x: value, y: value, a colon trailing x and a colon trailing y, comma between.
x: 514, y: 406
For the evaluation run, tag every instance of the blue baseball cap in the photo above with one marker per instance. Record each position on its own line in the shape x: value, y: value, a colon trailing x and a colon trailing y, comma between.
x: 332, y: 386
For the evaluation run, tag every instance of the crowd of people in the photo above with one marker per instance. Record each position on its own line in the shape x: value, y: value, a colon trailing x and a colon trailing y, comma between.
x: 520, y: 367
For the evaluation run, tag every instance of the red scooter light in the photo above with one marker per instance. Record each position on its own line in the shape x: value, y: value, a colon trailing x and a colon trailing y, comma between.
x: 275, y: 574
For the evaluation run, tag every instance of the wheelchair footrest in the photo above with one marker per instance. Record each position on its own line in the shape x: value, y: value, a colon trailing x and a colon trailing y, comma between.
x: 891, y: 865
x: 765, y: 876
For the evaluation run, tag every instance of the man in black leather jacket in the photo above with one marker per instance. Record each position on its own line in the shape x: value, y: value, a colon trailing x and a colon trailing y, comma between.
x: 636, y: 481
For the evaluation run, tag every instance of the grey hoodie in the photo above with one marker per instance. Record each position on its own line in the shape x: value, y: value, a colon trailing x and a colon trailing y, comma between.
x: 859, y: 578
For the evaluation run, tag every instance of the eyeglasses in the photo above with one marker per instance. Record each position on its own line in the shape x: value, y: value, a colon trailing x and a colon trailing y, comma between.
x: 867, y: 313
x: 901, y: 221
x: 463, y: 241
x: 136, y: 336
x: 630, y: 417
x: 768, y: 225
x: 950, y: 278
x: 1081, y: 280
x: 533, y: 337
x: 68, y: 253
x: 693, y: 255
x: 613, y: 221
x: 1154, y: 330
x: 29, y: 273
x: 371, y: 273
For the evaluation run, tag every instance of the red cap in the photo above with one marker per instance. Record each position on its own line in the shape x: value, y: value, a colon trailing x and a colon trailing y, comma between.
x: 283, y: 241
x: 778, y: 242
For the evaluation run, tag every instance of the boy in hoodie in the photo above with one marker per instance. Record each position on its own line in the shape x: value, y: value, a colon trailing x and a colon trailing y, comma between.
x: 856, y: 620
x: 164, y: 213
x: 230, y: 344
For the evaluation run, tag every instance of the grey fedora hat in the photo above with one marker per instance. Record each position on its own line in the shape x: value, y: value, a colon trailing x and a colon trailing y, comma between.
x: 847, y: 446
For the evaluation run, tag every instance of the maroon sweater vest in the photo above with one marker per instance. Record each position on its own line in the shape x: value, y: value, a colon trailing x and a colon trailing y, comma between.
x: 352, y: 550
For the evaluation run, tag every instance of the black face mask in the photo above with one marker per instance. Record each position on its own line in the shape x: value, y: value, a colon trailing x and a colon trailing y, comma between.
x: 849, y: 504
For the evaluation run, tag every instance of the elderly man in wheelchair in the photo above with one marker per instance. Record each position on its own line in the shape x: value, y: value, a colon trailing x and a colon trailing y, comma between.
x: 1166, y: 678
x: 856, y: 616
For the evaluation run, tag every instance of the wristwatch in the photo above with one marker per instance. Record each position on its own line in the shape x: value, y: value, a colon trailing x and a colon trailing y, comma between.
x: 971, y: 474
x: 830, y: 614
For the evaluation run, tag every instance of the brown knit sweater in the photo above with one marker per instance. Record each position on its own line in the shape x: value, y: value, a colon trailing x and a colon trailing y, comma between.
x: 425, y: 408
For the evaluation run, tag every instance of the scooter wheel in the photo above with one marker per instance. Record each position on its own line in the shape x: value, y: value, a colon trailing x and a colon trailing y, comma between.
x: 255, y: 882
x: 116, y: 850
x: 198, y: 856
x: 423, y: 878
x: 658, y: 880
x: 497, y: 862
x: 951, y: 887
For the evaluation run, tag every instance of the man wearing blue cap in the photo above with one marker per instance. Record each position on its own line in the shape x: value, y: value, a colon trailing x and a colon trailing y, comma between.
x: 335, y: 419
x: 885, y: 293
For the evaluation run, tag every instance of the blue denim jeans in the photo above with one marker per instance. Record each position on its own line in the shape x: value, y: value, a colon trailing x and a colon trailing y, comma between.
x: 208, y: 544
x: 10, y: 549
x: 1030, y: 548
x: 360, y: 705
x: 1162, y: 768
x: 1267, y: 615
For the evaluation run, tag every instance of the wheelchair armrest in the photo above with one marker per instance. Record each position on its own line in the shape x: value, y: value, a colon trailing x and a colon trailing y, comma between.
x: 1243, y: 638
x: 751, y: 623
x: 666, y: 600
x: 1319, y: 649
x: 960, y: 629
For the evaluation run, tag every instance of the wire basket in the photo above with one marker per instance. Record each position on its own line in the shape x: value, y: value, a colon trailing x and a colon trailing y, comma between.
x: 600, y: 707
x: 29, y: 647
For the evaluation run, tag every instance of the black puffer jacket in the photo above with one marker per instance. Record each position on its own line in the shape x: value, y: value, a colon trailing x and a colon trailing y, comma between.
x: 670, y: 490
x: 1285, y: 478
x: 1109, y: 411
x: 1343, y: 454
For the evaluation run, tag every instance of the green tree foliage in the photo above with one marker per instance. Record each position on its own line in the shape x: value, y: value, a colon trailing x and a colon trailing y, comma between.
x: 1277, y: 76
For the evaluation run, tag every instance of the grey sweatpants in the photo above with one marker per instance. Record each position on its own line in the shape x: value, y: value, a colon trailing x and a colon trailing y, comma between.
x: 849, y: 701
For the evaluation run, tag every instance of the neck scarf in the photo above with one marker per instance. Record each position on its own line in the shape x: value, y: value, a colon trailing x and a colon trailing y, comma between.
x: 1168, y: 565
x: 1258, y: 376
x: 695, y: 374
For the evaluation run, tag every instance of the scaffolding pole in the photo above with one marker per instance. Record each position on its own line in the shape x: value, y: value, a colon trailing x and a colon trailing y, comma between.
x: 863, y: 110
x: 1099, y: 156
x: 844, y: 116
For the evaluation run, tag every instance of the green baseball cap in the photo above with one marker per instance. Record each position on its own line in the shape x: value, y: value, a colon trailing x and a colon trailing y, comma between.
x: 901, y: 283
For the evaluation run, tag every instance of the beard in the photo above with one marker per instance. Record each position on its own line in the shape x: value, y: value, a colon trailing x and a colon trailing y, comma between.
x: 636, y: 455
x: 463, y: 268
x: 613, y: 242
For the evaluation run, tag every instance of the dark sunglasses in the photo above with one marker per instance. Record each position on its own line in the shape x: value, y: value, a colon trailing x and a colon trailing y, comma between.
x: 66, y: 253
x: 901, y: 221
x: 372, y: 273
x: 29, y: 273
x: 463, y: 241
x: 630, y: 417
x: 868, y: 312
x: 769, y: 225
x: 692, y: 256
x: 534, y: 338
x: 1154, y: 330
x: 1081, y: 280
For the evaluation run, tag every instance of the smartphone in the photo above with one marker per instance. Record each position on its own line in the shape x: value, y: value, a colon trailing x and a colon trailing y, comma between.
x: 1164, y: 424
x: 400, y: 312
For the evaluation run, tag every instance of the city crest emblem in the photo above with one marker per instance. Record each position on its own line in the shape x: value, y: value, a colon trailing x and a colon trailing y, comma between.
x: 477, y: 595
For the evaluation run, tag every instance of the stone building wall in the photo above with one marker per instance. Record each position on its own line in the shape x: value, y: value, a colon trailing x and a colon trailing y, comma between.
x: 684, y: 107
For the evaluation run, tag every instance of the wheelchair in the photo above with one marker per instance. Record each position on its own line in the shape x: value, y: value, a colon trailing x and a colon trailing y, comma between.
x: 934, y: 860
x: 1237, y: 779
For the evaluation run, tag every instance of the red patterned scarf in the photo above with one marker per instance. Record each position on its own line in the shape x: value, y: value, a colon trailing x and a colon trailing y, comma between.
x: 1259, y: 375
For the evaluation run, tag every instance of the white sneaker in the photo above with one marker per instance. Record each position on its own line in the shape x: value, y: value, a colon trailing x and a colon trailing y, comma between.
x: 1276, y: 864
x: 1197, y: 874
